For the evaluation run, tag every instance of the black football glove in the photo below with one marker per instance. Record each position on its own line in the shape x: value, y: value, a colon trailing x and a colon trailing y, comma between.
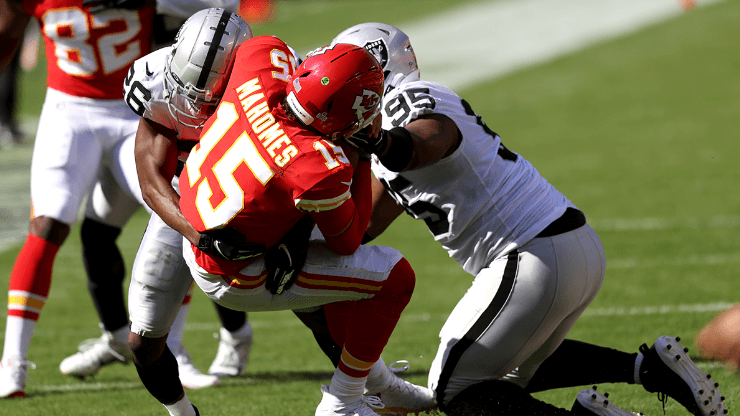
x: 285, y: 259
x: 362, y: 141
x: 229, y: 244
x: 97, y: 6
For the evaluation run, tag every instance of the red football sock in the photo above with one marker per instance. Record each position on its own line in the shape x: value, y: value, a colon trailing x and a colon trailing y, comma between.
x: 372, y: 321
x: 30, y: 279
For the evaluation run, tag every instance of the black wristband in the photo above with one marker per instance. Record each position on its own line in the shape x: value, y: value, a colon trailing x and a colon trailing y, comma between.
x: 401, y: 150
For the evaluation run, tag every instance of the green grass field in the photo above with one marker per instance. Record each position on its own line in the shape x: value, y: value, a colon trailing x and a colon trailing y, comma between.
x: 640, y: 132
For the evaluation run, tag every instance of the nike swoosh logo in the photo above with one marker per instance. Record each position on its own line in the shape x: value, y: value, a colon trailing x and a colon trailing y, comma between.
x: 148, y: 72
x: 346, y: 183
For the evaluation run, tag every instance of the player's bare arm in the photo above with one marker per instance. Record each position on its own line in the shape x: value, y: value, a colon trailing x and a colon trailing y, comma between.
x: 434, y: 137
x: 13, y: 23
x: 156, y: 163
x: 385, y: 210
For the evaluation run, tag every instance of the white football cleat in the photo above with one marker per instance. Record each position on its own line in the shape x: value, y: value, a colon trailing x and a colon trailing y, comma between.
x: 401, y: 397
x: 94, y: 354
x: 190, y: 377
x: 13, y: 378
x: 591, y: 402
x: 233, y: 353
x: 331, y: 406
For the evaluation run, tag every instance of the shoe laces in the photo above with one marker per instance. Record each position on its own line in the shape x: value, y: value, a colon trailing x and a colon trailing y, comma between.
x: 17, y: 368
x: 370, y: 403
x: 98, y: 346
x: 396, y: 382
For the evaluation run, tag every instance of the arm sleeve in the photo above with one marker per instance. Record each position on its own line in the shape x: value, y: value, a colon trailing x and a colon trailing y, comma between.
x: 344, y: 226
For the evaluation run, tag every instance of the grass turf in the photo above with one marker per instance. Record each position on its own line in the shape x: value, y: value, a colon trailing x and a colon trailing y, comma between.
x: 639, y: 132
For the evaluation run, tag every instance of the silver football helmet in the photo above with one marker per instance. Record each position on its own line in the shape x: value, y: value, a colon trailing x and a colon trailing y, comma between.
x: 199, y: 67
x: 390, y: 46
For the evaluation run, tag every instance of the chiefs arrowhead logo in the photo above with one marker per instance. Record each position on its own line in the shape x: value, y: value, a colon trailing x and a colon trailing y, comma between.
x: 367, y: 102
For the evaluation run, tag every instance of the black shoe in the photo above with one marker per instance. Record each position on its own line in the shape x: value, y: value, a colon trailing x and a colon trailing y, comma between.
x: 667, y: 369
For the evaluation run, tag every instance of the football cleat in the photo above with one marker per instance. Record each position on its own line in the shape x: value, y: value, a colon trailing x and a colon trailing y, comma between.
x: 13, y: 378
x: 590, y: 402
x: 666, y: 368
x: 400, y: 397
x: 190, y: 377
x: 232, y: 355
x: 331, y: 406
x: 95, y: 353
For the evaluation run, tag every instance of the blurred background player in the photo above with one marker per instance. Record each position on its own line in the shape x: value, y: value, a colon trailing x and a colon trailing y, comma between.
x: 537, y: 263
x: 82, y: 131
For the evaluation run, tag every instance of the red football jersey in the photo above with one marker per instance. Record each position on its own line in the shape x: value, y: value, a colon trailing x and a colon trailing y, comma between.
x: 254, y: 169
x: 88, y: 55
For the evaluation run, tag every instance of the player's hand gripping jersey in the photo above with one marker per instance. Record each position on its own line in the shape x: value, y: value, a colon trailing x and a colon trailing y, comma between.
x: 505, y: 197
x: 88, y: 55
x: 256, y: 170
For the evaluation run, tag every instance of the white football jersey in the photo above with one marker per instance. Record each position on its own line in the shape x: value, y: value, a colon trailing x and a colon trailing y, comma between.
x: 144, y: 91
x: 480, y: 202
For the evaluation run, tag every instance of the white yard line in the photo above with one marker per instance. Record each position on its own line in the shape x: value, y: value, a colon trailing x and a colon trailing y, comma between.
x: 482, y: 41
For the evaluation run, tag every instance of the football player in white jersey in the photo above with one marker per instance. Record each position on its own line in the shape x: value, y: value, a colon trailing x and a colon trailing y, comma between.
x: 537, y: 263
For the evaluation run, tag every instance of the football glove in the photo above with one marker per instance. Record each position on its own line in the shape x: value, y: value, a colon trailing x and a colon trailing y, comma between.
x: 362, y: 141
x: 97, y: 6
x: 229, y: 244
x: 285, y: 259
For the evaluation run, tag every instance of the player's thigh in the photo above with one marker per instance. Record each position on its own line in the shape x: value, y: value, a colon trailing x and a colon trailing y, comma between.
x: 108, y: 202
x: 326, y: 277
x: 581, y: 269
x: 66, y: 158
x: 159, y: 282
x: 522, y: 319
x: 122, y: 165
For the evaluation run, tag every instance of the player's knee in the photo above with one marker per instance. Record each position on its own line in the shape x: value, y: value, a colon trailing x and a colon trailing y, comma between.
x: 401, y: 280
x: 49, y: 229
x: 96, y: 236
x: 146, y: 351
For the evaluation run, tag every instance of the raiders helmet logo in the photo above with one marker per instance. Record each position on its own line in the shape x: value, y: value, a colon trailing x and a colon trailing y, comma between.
x: 379, y: 51
x: 365, y: 103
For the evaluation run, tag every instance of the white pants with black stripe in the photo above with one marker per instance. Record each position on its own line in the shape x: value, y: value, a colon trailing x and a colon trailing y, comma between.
x: 517, y: 312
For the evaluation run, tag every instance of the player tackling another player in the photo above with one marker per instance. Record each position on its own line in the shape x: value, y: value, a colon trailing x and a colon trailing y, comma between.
x: 537, y: 263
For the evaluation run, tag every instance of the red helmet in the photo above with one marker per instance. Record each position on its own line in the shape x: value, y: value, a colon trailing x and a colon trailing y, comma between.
x: 337, y: 90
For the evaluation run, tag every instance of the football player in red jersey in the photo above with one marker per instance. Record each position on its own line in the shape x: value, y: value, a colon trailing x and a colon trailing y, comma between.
x: 265, y: 160
x: 83, y: 130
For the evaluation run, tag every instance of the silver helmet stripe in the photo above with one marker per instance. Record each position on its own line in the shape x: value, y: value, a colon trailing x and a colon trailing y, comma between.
x: 213, y: 49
